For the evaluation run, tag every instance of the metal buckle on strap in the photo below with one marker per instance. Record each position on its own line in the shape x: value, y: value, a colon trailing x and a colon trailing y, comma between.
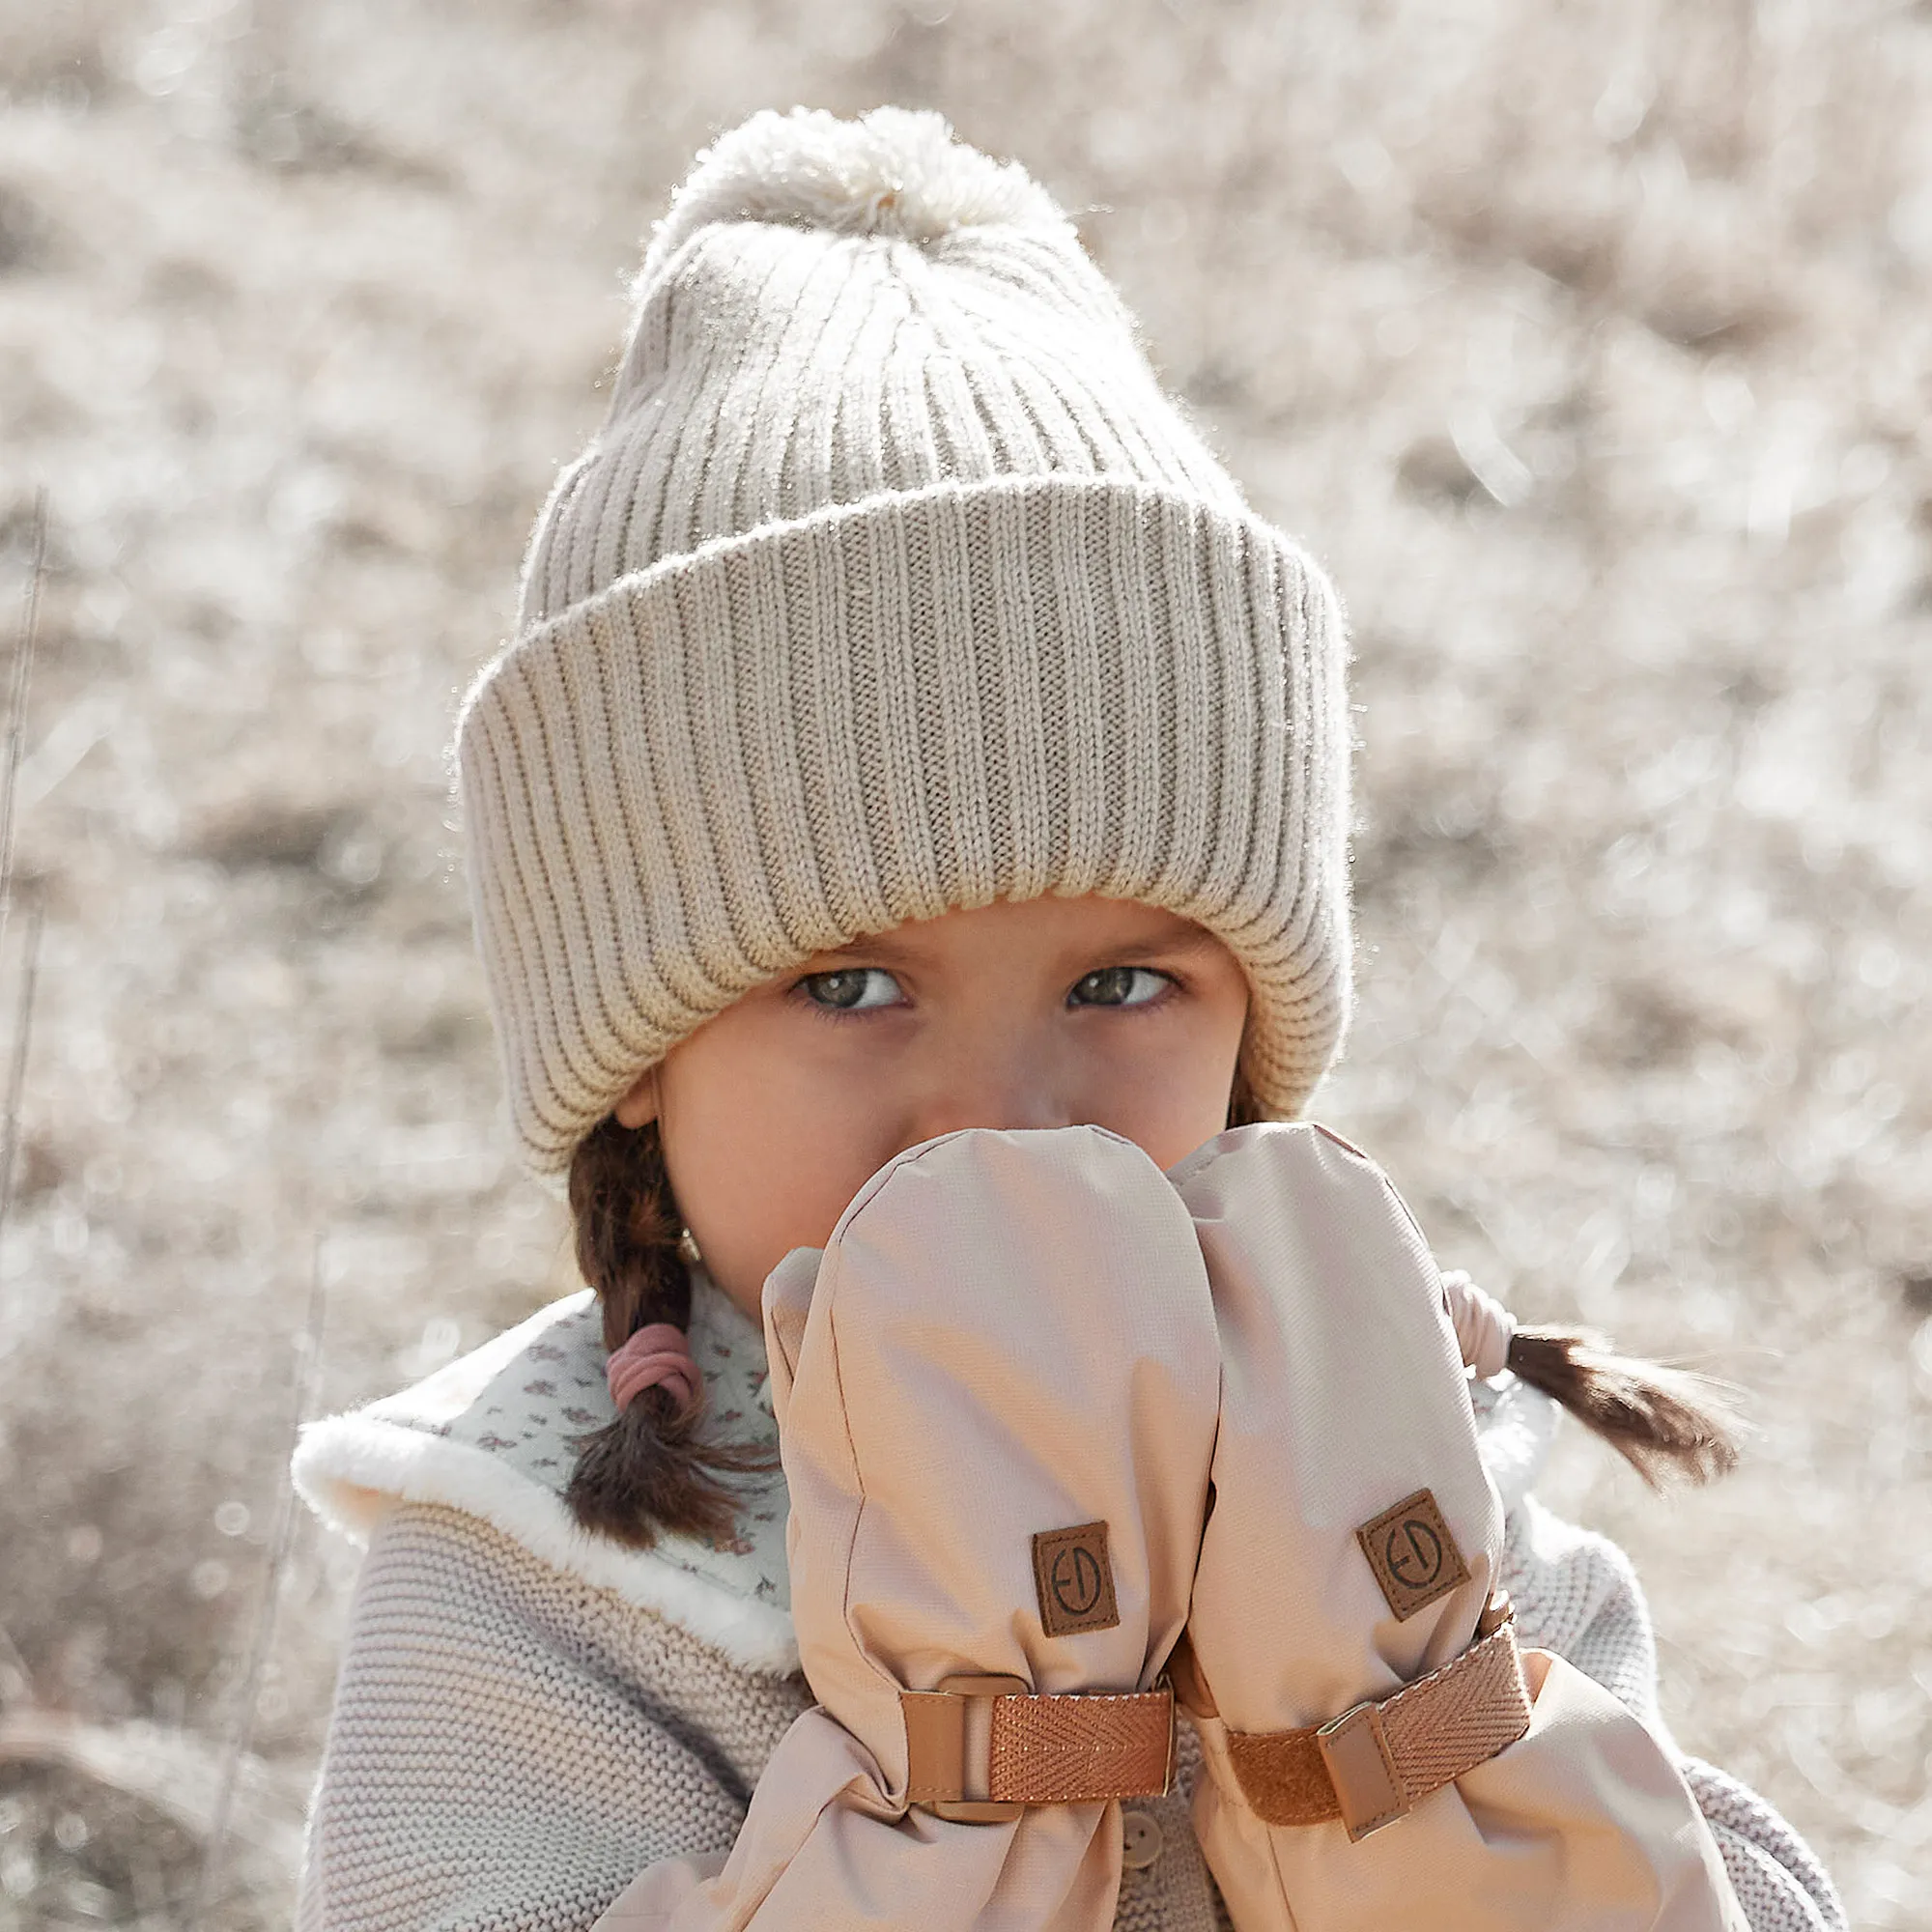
x: 938, y: 1747
x: 1368, y: 1787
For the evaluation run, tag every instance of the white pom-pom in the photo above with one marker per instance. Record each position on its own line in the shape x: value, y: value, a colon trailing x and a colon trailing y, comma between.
x: 889, y: 172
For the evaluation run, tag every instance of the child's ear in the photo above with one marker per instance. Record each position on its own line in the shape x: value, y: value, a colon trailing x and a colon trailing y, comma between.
x: 638, y: 1108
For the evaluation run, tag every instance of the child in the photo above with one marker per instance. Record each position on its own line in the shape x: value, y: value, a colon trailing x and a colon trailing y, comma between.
x: 908, y: 731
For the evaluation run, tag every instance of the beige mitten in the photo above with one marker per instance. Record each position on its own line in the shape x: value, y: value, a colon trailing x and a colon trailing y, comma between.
x: 1380, y: 1754
x: 996, y: 1394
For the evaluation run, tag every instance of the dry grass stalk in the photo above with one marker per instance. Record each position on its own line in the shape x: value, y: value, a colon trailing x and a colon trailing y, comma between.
x: 10, y: 773
x: 16, y: 702
x: 237, y: 1754
x: 16, y: 1680
x: 17, y: 1067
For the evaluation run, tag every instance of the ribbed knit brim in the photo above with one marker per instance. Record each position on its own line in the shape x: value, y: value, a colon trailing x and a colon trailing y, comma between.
x: 892, y: 585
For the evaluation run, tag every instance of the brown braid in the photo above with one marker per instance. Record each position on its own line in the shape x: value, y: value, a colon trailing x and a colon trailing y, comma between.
x: 1661, y: 1421
x: 648, y: 1472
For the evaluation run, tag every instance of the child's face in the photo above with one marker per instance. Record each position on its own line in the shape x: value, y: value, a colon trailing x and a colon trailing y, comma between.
x: 1053, y: 1012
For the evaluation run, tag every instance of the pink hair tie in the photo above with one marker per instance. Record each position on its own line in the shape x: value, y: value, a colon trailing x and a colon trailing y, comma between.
x: 1483, y: 1326
x: 654, y: 1355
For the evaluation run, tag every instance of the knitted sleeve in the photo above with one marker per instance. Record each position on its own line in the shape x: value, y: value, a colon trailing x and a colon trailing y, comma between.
x: 1576, y: 1592
x: 501, y: 1758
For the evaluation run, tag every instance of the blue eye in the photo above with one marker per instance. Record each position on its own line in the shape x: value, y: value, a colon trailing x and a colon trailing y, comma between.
x: 855, y: 989
x: 1118, y: 987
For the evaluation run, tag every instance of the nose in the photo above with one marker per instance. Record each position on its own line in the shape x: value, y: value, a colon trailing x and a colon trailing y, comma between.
x: 1007, y: 1090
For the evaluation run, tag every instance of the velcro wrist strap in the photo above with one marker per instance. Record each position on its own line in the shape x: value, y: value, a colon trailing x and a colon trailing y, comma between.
x: 1038, y: 1749
x: 1373, y: 1763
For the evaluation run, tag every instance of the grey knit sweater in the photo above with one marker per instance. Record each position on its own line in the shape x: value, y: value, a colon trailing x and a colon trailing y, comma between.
x: 526, y: 1715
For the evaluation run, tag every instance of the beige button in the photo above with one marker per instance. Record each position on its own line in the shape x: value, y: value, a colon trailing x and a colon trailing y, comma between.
x: 1140, y: 1840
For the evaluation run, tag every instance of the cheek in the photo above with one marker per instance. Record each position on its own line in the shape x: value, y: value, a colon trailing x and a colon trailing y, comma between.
x: 1173, y: 1096
x: 1183, y: 1103
x: 763, y: 1155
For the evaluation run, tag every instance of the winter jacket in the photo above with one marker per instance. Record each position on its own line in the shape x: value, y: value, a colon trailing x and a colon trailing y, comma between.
x: 527, y: 1715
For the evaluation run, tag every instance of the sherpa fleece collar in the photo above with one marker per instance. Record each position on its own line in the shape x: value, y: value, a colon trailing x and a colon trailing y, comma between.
x: 490, y: 1434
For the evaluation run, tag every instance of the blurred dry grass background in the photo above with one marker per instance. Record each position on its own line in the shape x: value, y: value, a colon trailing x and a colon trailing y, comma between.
x: 1591, y: 344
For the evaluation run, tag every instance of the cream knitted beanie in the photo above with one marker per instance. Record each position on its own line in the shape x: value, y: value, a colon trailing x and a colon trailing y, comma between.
x: 891, y: 583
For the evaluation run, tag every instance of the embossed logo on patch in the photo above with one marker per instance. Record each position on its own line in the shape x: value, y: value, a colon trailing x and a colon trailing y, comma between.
x: 1412, y: 1553
x: 1074, y: 1580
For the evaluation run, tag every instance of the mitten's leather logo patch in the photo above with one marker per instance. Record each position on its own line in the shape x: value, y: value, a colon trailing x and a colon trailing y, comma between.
x: 1075, y: 1578
x: 1412, y: 1553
